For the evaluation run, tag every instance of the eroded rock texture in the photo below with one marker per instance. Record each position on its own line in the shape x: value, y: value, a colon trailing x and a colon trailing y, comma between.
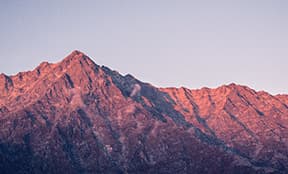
x: 77, y: 117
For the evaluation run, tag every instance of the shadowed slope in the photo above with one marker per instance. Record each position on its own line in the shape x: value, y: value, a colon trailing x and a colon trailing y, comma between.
x: 77, y: 117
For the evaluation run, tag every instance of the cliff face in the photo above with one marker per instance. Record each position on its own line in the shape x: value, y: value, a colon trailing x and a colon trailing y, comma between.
x: 77, y: 117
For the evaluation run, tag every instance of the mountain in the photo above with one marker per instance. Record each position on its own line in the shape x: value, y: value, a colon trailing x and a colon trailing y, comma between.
x: 78, y: 117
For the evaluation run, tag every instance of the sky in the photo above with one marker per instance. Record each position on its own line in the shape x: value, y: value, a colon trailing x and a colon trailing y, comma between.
x: 164, y: 42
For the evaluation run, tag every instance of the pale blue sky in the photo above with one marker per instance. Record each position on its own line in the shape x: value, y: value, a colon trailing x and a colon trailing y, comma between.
x: 164, y: 42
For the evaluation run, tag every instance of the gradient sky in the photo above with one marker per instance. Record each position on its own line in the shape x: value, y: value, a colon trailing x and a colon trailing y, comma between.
x: 163, y: 42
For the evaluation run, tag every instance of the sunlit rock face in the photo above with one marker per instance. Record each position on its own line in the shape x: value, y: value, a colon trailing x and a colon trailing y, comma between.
x: 77, y: 117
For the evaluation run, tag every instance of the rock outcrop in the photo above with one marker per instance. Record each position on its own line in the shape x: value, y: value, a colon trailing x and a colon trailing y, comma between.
x: 77, y: 117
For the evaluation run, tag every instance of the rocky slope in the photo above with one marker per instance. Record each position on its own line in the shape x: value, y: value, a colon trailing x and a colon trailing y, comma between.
x: 77, y: 117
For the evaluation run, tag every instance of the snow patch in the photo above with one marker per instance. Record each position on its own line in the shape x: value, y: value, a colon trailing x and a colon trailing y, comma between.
x: 76, y: 100
x: 136, y: 90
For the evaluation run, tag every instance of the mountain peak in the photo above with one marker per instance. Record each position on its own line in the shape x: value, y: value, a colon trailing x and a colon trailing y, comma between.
x: 95, y: 119
x: 77, y: 60
x: 75, y: 56
x: 77, y: 53
x: 236, y: 87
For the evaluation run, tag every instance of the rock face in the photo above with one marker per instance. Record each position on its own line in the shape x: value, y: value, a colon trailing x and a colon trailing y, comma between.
x: 77, y: 117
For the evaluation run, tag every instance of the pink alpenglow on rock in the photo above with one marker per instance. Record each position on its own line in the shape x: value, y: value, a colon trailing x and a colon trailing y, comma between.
x: 78, y: 117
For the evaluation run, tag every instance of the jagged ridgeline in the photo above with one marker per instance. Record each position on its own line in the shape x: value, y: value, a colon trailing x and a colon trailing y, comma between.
x: 78, y: 117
